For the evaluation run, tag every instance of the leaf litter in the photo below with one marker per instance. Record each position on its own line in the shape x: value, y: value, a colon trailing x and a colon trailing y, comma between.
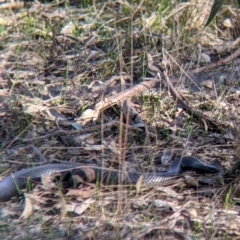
x: 77, y: 85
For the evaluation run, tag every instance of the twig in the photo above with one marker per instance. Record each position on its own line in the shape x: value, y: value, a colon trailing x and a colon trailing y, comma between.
x: 78, y: 132
x: 11, y: 5
x: 135, y: 90
x: 181, y: 100
x: 185, y: 106
x: 219, y: 63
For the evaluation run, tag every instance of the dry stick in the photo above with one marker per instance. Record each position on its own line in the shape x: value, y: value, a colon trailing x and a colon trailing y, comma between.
x: 135, y: 90
x: 78, y: 132
x: 219, y: 63
x: 160, y: 223
x: 154, y: 68
x: 12, y: 5
x: 15, y: 139
x: 184, y: 104
x: 68, y: 133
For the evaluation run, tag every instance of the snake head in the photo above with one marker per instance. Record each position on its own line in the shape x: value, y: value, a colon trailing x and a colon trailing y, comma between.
x: 190, y: 163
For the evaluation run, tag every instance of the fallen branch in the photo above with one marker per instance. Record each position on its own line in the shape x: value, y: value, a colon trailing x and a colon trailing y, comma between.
x: 219, y: 63
x: 79, y: 132
x: 181, y: 101
x: 207, y: 121
x: 11, y: 5
x: 135, y: 90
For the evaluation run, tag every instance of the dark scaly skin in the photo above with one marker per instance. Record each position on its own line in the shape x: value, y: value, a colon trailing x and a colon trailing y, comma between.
x: 11, y: 185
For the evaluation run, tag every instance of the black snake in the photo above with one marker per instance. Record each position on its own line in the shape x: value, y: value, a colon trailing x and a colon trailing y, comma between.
x: 11, y: 185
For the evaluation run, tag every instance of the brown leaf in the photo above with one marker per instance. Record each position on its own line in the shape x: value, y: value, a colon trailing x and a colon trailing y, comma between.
x: 28, y: 209
x: 82, y: 193
x: 47, y: 182
x: 83, y: 206
x: 169, y: 192
x: 90, y: 173
x: 139, y: 183
x: 31, y: 203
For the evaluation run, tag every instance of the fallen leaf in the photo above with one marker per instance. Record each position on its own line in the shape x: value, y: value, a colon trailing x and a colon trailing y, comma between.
x: 82, y: 193
x: 85, y: 205
x: 31, y: 203
x: 139, y: 183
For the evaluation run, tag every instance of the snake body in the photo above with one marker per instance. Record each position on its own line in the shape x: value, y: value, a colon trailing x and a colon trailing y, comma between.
x: 11, y: 185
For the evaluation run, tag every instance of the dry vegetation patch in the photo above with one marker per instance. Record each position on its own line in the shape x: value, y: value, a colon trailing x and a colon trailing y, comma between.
x: 126, y: 84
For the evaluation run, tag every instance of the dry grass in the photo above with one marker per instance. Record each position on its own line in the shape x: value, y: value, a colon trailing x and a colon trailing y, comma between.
x: 58, y: 60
